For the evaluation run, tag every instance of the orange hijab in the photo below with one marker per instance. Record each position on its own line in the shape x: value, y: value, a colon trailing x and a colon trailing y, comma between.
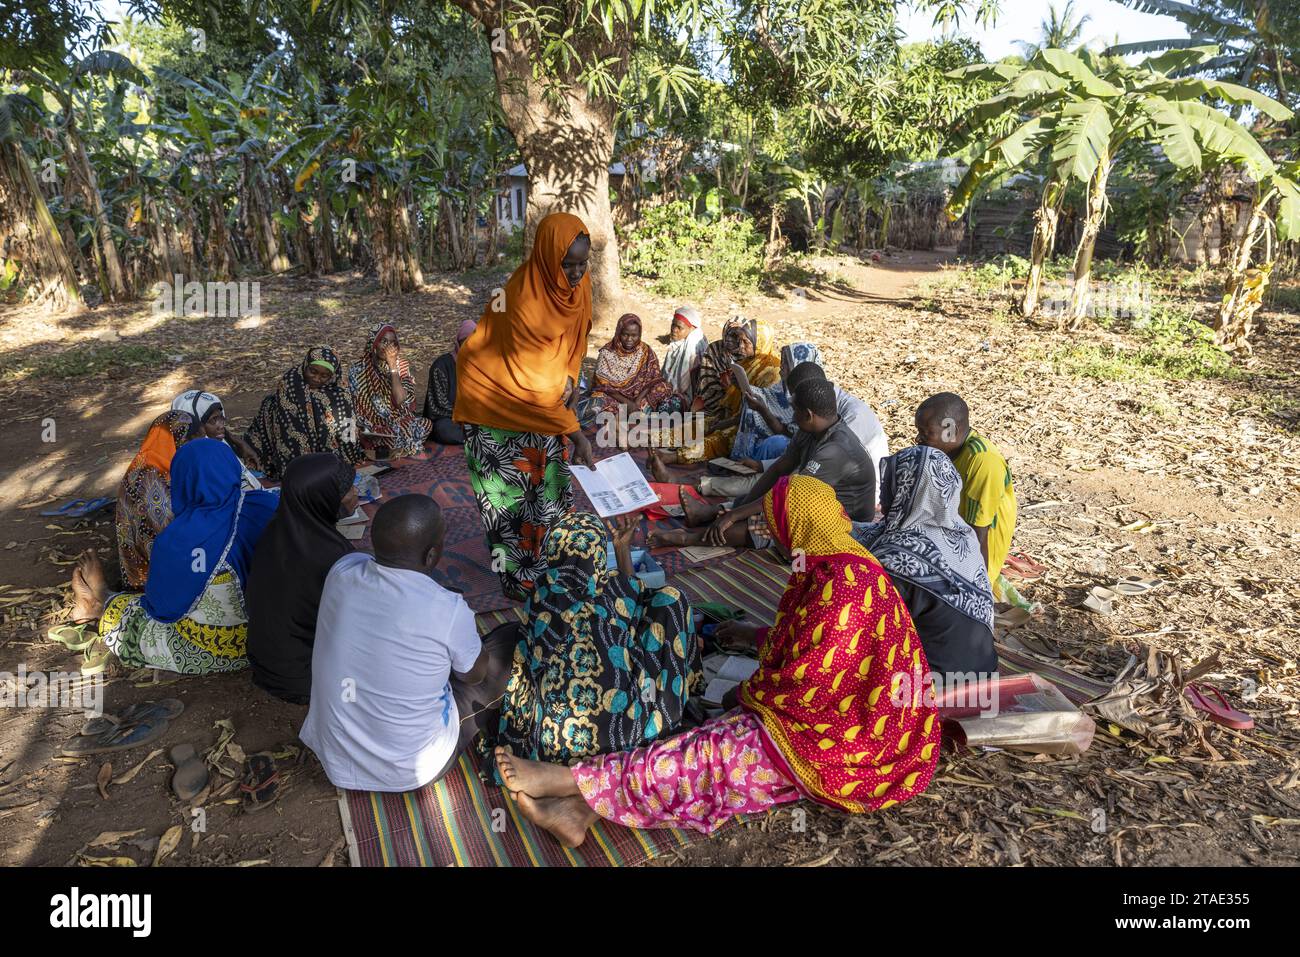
x: 511, y: 373
x: 159, y: 446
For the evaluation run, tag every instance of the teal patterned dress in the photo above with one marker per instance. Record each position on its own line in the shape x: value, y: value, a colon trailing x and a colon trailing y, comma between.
x: 603, y: 663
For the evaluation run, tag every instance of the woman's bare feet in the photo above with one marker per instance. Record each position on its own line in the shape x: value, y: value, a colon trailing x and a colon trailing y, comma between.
x: 536, y: 778
x: 567, y: 818
x: 89, y: 587
x: 673, y: 538
x: 658, y: 469
x: 697, y: 512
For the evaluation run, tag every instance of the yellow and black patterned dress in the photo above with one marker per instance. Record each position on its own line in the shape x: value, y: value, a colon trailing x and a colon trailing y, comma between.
x: 212, y: 638
x: 603, y: 663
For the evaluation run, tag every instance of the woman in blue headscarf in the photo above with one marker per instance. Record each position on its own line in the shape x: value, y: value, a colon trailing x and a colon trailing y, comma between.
x: 191, y: 617
x: 753, y: 437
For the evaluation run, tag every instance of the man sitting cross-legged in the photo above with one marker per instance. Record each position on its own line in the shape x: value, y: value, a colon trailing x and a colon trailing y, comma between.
x: 825, y: 448
x: 401, y: 683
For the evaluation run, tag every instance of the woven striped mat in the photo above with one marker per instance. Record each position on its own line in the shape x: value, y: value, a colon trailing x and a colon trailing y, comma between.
x: 462, y: 821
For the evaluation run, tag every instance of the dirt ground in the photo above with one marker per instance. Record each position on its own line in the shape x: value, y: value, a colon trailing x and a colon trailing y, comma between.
x: 1195, y: 482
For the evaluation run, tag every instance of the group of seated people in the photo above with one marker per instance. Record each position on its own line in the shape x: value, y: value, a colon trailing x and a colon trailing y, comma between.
x: 594, y: 704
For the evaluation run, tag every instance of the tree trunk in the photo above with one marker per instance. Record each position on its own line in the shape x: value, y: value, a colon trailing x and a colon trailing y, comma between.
x: 1244, y: 290
x: 1046, y: 218
x: 1081, y: 297
x: 116, y: 287
x: 28, y: 235
x: 567, y: 147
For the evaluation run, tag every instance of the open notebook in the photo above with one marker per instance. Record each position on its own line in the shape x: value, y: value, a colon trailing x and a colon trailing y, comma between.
x: 615, y: 486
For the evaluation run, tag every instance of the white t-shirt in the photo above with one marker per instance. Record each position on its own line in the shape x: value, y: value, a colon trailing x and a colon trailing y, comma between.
x: 382, y: 716
x: 863, y: 422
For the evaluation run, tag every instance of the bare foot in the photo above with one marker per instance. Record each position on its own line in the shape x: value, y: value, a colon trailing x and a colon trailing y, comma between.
x: 658, y: 469
x: 672, y: 538
x: 697, y: 512
x: 535, y: 778
x: 567, y: 818
x: 89, y: 587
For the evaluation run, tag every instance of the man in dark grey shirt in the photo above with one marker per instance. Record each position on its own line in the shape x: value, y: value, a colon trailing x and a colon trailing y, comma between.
x: 825, y: 448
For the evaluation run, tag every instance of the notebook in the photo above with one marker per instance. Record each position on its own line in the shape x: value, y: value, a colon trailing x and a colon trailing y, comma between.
x: 615, y: 486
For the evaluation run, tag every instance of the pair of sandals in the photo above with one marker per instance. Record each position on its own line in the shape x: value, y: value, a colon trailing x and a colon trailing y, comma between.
x: 260, y: 787
x: 78, y: 508
x: 138, y: 725
x: 73, y: 636
x: 1101, y: 599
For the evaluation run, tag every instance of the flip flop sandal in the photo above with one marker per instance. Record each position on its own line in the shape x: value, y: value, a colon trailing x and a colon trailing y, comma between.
x: 169, y: 708
x: 125, y: 736
x: 1133, y: 585
x: 1099, y: 600
x: 1022, y: 567
x: 77, y: 508
x: 96, y: 660
x: 73, y: 636
x: 64, y: 508
x: 191, y: 775
x: 261, y: 784
x: 1219, y: 711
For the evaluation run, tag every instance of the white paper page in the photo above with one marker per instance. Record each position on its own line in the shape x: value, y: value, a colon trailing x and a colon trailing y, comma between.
x: 738, y: 668
x: 616, y: 486
x: 603, y: 498
x: 625, y: 478
x: 732, y: 466
x: 357, y: 517
x: 717, y: 688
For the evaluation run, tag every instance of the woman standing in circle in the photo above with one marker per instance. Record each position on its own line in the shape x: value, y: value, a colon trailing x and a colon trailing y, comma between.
x: 516, y: 394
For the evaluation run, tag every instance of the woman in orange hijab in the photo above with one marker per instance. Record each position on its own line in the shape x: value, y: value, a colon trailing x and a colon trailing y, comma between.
x: 517, y: 387
x: 144, y: 499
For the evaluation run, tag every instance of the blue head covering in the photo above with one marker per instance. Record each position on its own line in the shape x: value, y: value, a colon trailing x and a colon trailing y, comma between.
x: 753, y: 428
x: 214, y: 521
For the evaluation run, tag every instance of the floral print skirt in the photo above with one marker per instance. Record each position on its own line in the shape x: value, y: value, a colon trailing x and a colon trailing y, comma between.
x: 212, y: 638
x: 522, y: 485
x: 697, y: 780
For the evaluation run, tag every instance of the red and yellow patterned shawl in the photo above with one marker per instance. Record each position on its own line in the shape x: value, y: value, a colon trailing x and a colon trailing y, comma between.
x: 839, y: 687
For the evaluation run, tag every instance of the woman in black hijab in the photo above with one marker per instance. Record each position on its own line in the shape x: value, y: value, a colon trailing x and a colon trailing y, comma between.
x: 293, y: 556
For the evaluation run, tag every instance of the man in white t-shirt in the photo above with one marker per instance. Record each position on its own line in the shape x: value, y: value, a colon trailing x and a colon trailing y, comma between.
x: 401, y: 683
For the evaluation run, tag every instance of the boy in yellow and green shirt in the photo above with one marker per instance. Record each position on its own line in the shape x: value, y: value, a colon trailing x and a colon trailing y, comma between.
x: 988, y: 497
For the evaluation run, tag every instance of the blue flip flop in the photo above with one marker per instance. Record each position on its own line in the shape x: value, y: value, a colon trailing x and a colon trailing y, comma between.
x: 78, y: 508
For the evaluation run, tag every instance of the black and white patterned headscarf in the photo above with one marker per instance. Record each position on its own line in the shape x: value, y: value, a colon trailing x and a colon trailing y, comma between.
x: 923, y: 538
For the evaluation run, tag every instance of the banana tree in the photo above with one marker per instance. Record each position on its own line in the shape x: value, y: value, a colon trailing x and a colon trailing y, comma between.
x: 1247, y: 281
x: 1078, y: 112
x: 28, y: 233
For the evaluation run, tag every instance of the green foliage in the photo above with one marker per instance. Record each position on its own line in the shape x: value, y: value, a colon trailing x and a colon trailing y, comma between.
x: 1081, y: 111
x: 1167, y: 343
x: 681, y: 254
x: 89, y: 360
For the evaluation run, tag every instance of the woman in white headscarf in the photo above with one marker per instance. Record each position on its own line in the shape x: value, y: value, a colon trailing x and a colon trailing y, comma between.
x: 683, y: 356
x: 210, y: 417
